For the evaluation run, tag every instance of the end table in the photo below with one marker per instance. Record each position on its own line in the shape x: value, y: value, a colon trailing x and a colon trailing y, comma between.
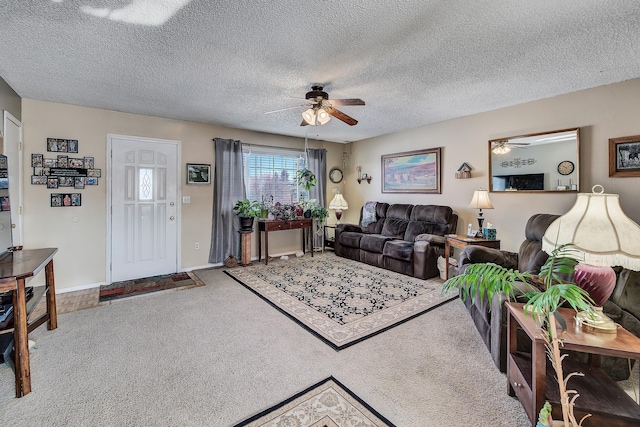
x: 461, y: 241
x: 245, y: 260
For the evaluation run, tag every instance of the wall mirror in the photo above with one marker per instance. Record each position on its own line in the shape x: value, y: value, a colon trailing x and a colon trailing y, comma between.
x: 539, y: 162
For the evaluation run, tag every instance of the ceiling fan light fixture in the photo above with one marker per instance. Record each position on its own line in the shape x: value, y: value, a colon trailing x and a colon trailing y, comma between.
x: 309, y: 116
x: 500, y: 149
x: 322, y: 116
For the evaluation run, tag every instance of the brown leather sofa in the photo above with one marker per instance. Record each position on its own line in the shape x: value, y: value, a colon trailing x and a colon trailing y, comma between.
x: 404, y: 238
x: 491, y: 318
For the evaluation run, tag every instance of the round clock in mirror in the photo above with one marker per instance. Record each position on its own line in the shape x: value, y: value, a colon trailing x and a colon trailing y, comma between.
x: 566, y: 167
x: 335, y: 175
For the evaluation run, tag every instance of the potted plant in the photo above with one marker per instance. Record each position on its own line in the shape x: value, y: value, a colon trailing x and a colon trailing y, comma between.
x: 306, y: 179
x: 319, y: 213
x: 247, y: 210
x: 307, y: 206
x: 544, y: 298
x: 265, y: 206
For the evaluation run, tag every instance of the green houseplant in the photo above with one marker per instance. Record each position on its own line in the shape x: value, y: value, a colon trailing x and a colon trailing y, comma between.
x: 247, y: 210
x: 547, y: 292
x: 306, y: 179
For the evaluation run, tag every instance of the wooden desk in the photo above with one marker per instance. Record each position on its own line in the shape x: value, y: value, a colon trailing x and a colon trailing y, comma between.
x: 15, y: 268
x: 600, y: 396
x: 461, y: 242
x: 265, y: 226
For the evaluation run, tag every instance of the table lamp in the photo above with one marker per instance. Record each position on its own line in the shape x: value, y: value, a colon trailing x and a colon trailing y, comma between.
x: 339, y: 204
x: 603, y: 237
x: 480, y: 201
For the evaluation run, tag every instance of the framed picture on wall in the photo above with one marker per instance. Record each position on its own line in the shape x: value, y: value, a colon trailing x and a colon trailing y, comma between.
x: 412, y: 172
x: 624, y: 156
x: 198, y: 173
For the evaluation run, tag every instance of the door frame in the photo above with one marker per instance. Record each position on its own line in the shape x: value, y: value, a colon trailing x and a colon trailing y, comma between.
x: 178, y: 144
x: 16, y: 220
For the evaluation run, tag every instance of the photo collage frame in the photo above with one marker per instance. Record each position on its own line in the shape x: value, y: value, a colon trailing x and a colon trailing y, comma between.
x: 63, y: 168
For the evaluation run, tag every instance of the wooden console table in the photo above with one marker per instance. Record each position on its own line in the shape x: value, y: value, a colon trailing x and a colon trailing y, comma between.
x: 15, y: 269
x: 461, y: 242
x: 267, y: 226
x: 600, y: 396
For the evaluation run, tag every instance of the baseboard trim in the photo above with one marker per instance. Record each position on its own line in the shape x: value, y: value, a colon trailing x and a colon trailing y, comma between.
x: 78, y: 288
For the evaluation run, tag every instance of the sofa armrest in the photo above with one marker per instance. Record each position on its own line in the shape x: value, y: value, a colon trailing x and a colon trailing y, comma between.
x: 480, y: 254
x: 431, y: 238
x: 348, y: 227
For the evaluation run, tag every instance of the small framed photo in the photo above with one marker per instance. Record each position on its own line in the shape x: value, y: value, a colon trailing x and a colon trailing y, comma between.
x: 78, y: 183
x: 52, y: 182
x: 3, y: 162
x: 4, y: 204
x: 36, y: 160
x: 76, y: 163
x: 91, y: 181
x: 94, y: 172
x: 72, y: 145
x: 624, y: 156
x: 198, y: 173
x: 66, y: 181
x: 76, y: 199
x: 88, y: 162
x: 50, y: 163
x: 52, y: 144
x: 38, y: 180
x: 56, y: 200
x: 63, y: 161
x: 62, y: 145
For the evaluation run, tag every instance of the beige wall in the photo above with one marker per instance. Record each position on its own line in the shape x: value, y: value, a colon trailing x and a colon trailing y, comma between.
x: 601, y: 113
x: 80, y: 232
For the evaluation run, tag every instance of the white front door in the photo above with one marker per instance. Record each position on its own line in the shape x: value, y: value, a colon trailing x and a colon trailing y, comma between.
x: 13, y: 150
x: 144, y: 208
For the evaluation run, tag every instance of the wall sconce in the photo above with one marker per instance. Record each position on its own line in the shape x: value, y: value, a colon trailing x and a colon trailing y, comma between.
x: 362, y: 176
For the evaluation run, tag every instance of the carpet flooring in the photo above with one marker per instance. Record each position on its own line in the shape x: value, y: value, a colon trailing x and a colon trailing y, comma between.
x: 341, y: 301
x: 129, y: 288
x: 326, y: 404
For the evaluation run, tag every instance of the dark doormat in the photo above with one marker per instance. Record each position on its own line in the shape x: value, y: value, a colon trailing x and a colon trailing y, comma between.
x: 129, y: 288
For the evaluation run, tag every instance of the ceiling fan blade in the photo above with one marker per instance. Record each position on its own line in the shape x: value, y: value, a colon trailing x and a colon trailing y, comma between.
x: 304, y: 123
x: 350, y: 101
x: 342, y: 116
x: 289, y: 108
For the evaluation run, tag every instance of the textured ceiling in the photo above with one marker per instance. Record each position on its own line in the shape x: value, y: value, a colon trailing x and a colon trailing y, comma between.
x: 414, y: 62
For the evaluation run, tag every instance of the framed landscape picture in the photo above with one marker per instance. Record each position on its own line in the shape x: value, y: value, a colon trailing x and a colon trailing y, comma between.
x: 412, y: 172
x: 624, y: 156
x: 198, y: 173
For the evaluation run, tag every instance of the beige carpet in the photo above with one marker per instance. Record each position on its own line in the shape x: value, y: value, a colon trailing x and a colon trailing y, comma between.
x: 339, y: 300
x: 215, y: 355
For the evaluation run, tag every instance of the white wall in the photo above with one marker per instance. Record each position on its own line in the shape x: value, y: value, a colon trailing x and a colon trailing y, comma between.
x: 80, y: 232
x: 601, y: 113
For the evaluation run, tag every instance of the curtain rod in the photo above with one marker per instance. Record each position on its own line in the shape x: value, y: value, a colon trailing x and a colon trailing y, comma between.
x: 272, y: 146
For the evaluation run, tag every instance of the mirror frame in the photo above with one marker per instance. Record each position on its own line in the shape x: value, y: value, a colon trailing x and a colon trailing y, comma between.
x: 510, y: 138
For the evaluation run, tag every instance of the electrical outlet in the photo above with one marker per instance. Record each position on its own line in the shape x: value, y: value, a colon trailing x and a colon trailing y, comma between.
x: 196, y: 246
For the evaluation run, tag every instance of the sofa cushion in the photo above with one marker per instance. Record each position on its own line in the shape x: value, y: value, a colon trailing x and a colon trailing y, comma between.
x: 399, y: 249
x: 394, y: 227
x: 415, y: 228
x: 381, y: 213
x: 374, y: 242
x: 350, y: 239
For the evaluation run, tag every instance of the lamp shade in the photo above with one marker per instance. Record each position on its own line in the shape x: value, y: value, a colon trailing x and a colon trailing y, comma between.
x: 481, y: 200
x: 598, y: 228
x: 309, y: 116
x: 323, y: 116
x: 339, y: 203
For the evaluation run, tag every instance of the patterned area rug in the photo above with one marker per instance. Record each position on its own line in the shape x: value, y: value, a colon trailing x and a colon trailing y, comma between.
x: 326, y: 404
x: 129, y: 288
x: 339, y: 300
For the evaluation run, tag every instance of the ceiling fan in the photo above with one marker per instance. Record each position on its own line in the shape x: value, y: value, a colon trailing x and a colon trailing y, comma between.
x: 321, y: 107
x: 503, y: 146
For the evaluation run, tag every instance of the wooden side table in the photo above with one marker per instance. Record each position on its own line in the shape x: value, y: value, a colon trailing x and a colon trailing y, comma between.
x: 265, y: 226
x: 600, y: 396
x: 461, y: 242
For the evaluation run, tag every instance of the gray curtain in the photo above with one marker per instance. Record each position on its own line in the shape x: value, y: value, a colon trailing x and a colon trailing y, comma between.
x: 317, y: 159
x: 228, y: 188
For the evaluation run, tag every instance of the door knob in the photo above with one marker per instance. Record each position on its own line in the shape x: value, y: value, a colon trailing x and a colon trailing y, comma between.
x: 172, y: 217
x: 172, y: 204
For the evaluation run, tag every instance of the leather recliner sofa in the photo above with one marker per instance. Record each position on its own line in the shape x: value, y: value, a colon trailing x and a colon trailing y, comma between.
x: 403, y: 238
x: 490, y: 318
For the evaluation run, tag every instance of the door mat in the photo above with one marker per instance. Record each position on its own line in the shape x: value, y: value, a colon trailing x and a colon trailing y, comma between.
x: 129, y: 288
x: 326, y: 404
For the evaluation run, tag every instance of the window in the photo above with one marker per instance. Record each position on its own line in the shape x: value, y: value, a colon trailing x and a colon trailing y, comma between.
x: 272, y: 172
